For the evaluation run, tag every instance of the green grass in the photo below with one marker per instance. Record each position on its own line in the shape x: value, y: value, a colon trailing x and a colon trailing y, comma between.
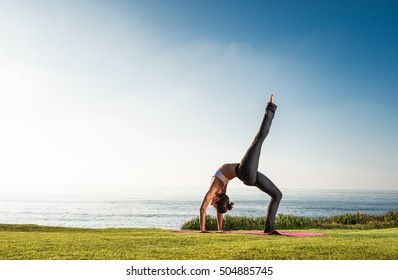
x: 19, y: 242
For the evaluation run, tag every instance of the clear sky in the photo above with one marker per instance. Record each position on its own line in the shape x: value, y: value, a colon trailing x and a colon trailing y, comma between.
x: 153, y: 96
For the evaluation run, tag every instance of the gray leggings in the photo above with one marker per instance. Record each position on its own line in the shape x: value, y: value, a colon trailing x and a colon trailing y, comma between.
x: 247, y: 169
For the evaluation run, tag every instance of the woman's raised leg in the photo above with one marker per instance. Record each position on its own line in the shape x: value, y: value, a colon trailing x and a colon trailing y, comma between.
x: 247, y: 169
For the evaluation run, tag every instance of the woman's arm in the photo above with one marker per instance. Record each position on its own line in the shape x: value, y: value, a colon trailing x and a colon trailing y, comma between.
x: 224, y: 189
x: 202, y: 213
x: 214, y: 188
x: 219, y: 221
x: 202, y: 216
x: 219, y: 215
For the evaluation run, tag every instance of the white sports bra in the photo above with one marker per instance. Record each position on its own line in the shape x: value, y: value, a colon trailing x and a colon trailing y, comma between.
x: 221, y: 176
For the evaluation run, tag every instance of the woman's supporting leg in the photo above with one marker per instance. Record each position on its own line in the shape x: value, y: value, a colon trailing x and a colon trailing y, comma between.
x: 247, y: 169
x: 266, y: 185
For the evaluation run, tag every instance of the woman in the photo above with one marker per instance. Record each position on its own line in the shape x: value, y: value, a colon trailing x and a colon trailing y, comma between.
x: 247, y: 172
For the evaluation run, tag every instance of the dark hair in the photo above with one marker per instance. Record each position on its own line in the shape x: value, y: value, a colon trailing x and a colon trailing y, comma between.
x: 223, y: 204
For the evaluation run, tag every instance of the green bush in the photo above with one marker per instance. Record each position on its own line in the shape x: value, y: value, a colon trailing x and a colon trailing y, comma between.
x: 352, y: 219
x: 291, y: 221
x: 356, y: 220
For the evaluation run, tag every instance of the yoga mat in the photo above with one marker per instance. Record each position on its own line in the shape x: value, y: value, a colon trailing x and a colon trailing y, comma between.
x: 284, y: 233
x: 276, y: 232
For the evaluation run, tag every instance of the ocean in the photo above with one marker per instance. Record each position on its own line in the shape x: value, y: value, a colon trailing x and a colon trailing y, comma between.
x: 103, y: 212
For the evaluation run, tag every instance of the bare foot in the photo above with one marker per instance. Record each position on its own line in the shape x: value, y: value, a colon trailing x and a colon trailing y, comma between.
x: 271, y: 99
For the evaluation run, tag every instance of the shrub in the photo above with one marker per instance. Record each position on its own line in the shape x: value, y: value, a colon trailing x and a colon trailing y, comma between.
x: 352, y: 219
x: 357, y: 220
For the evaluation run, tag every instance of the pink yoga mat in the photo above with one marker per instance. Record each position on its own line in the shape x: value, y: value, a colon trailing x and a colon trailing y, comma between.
x: 284, y: 233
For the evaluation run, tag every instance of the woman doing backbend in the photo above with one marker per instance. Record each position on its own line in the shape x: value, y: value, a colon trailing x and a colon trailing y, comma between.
x: 247, y: 172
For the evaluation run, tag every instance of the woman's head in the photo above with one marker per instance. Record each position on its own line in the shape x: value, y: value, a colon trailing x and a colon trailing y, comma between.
x: 222, y: 203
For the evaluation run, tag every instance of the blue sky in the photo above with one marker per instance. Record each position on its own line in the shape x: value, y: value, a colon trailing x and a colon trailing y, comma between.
x: 152, y: 96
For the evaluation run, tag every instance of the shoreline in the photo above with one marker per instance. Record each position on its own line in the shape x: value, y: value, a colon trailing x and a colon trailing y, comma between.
x: 358, y: 220
x: 125, y: 212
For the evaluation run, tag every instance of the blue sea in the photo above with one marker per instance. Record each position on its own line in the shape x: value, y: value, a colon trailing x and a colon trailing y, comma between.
x: 135, y: 212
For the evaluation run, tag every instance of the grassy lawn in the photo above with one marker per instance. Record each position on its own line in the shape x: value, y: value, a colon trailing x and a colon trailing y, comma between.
x: 35, y: 242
